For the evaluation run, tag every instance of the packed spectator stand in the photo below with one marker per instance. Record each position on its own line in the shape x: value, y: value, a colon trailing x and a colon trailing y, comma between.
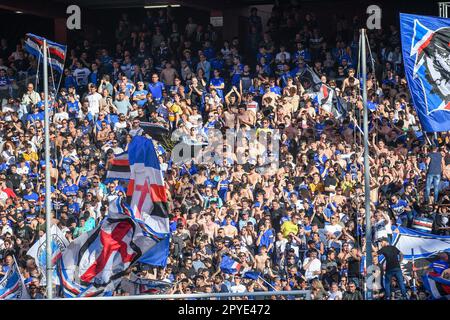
x: 301, y: 224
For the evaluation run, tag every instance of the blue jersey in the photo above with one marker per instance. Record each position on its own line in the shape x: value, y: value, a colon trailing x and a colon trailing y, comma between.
x: 32, y: 117
x: 217, y: 82
x: 399, y: 207
x: 267, y: 238
x: 74, y: 208
x: 236, y: 79
x: 156, y: 89
x: 31, y: 197
x: 72, y: 109
x: 4, y: 81
x: 223, y: 188
x: 140, y: 103
x: 70, y: 190
x: 439, y: 266
x: 66, y: 162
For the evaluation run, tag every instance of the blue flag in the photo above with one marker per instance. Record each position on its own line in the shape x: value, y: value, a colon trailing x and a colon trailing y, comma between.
x: 229, y: 266
x: 157, y: 256
x: 254, y: 275
x: 426, y: 50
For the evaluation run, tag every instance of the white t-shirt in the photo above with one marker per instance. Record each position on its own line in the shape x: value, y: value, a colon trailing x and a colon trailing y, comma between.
x: 335, y: 295
x: 382, y: 229
x: 6, y: 229
x: 287, y: 56
x: 280, y: 246
x: 120, y: 125
x: 252, y: 106
x: 333, y: 229
x: 238, y: 288
x: 60, y: 116
x: 313, y: 267
x: 81, y: 75
x: 94, y: 102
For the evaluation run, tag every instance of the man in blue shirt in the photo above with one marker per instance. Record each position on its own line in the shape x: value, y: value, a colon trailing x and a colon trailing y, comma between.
x: 266, y: 237
x: 70, y: 189
x: 140, y: 95
x: 156, y: 88
x: 274, y: 88
x: 35, y: 116
x: 30, y: 195
x: 73, y: 107
x: 401, y: 210
x: 73, y: 207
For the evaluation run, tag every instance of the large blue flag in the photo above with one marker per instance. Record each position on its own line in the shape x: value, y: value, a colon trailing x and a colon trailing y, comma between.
x: 426, y: 55
x: 12, y: 285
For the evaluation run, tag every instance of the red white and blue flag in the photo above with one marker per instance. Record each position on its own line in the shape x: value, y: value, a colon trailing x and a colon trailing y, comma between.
x: 57, y: 52
x: 229, y: 265
x: 146, y: 187
x: 95, y: 262
x: 438, y: 287
x: 119, y: 168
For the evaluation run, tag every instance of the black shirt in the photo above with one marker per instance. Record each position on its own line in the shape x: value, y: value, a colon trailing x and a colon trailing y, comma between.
x: 353, y: 267
x: 276, y: 216
x: 24, y: 232
x: 15, y: 180
x: 320, y: 220
x: 390, y: 253
x: 330, y: 181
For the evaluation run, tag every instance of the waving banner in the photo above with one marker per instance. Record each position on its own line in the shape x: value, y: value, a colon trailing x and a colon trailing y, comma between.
x: 426, y: 55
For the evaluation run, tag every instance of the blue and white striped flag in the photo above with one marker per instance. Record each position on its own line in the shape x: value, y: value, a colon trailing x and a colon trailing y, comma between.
x: 57, y: 52
x: 438, y: 287
x: 12, y: 285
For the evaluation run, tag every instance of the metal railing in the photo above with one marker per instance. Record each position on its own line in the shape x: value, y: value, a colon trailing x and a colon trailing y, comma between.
x: 305, y: 293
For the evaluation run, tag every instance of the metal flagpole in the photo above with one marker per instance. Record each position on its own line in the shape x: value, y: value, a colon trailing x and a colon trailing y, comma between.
x: 413, y: 272
x: 366, y: 166
x: 48, y: 215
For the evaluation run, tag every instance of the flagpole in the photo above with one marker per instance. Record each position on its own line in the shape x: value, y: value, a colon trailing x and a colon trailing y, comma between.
x: 413, y: 273
x: 48, y: 215
x: 366, y: 165
x: 266, y: 282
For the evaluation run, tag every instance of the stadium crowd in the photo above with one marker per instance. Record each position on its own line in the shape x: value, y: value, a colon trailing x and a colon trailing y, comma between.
x: 301, y: 225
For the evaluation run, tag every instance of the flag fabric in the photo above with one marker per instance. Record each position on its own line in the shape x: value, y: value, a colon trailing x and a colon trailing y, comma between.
x: 157, y: 131
x: 157, y: 256
x: 312, y: 78
x: 229, y: 266
x: 424, y: 244
x: 325, y: 98
x: 422, y: 224
x: 39, y: 253
x: 438, y: 287
x: 253, y: 275
x: 12, y: 285
x: 119, y: 168
x: 146, y: 286
x: 95, y: 262
x: 425, y: 49
x: 57, y: 52
x: 146, y: 187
